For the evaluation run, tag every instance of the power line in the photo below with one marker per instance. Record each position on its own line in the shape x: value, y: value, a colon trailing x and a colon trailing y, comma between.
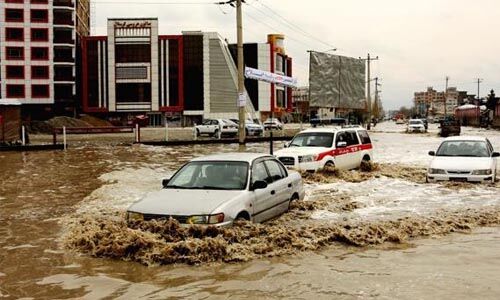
x: 273, y: 28
x: 292, y: 25
x: 266, y: 14
x: 154, y: 3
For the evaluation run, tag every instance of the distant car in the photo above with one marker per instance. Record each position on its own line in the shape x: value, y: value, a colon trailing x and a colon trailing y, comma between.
x: 328, y: 121
x: 213, y: 126
x: 438, y: 120
x: 426, y: 123
x: 400, y: 121
x: 463, y: 158
x: 251, y: 128
x: 415, y: 125
x: 341, y: 147
x: 273, y: 123
x: 449, y: 127
x: 219, y: 189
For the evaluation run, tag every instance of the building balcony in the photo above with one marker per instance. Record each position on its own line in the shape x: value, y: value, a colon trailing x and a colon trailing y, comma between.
x: 65, y: 59
x: 64, y: 78
x: 67, y: 41
x: 63, y: 3
x: 64, y: 22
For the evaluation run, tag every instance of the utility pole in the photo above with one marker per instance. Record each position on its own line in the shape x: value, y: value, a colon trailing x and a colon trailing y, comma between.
x: 479, y: 80
x: 241, y: 101
x: 446, y: 95
x: 241, y: 72
x: 369, y: 98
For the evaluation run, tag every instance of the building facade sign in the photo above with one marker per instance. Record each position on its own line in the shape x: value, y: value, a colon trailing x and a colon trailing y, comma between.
x: 142, y: 24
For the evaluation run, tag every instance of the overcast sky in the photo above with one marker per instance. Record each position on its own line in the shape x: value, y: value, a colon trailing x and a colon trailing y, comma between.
x: 419, y: 43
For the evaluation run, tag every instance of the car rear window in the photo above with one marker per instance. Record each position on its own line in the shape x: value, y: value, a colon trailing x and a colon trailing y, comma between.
x: 365, y: 138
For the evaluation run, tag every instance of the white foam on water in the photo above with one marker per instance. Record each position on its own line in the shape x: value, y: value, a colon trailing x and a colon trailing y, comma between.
x: 25, y: 246
x: 123, y: 187
x: 388, y: 198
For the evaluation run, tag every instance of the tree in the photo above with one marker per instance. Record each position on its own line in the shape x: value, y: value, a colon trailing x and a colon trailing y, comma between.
x: 491, y: 102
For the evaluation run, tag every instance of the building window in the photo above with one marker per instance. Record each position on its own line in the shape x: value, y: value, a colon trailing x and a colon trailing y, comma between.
x: 40, y: 91
x: 14, y: 53
x: 14, y: 34
x: 39, y: 34
x: 128, y: 53
x: 15, y: 90
x: 14, y: 1
x: 133, y: 92
x: 14, y: 15
x: 15, y: 72
x: 39, y: 15
x: 40, y: 72
x: 40, y: 53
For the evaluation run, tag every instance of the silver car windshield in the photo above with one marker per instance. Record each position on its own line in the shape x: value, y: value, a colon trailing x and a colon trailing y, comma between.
x: 463, y: 148
x: 416, y: 122
x: 211, y: 175
x: 313, y: 139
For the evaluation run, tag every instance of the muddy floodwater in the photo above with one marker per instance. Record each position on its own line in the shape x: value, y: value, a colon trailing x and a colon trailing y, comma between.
x: 378, y: 234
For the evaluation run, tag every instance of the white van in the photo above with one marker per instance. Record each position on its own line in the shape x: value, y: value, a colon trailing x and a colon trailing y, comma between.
x: 341, y: 147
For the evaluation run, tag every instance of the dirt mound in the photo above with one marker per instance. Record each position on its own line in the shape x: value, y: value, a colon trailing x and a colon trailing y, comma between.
x: 67, y: 122
x: 96, y: 122
x: 166, y: 242
x: 47, y: 127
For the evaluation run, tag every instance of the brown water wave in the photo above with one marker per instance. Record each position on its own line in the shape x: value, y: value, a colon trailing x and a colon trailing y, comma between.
x: 166, y: 242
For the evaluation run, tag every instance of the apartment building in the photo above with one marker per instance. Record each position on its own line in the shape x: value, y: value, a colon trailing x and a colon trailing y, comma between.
x: 38, y: 56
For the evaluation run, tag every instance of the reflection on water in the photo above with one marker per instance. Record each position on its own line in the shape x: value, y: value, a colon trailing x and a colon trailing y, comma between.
x: 40, y: 191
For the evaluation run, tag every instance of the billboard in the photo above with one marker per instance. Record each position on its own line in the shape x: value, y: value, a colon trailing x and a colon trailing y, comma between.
x: 336, y: 81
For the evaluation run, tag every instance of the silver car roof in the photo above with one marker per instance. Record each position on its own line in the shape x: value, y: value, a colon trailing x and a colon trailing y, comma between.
x: 234, y: 156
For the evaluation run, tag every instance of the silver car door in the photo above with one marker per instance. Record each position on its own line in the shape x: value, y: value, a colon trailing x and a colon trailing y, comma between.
x: 262, y: 197
x: 280, y: 190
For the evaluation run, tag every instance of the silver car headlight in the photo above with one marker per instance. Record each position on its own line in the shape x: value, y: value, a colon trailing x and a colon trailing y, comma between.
x: 206, y: 219
x: 134, y: 216
x: 203, y: 219
x: 437, y: 171
x: 482, y: 172
x: 216, y: 219
x: 307, y: 158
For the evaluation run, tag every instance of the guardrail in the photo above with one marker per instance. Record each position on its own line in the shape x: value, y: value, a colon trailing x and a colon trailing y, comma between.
x: 93, y: 130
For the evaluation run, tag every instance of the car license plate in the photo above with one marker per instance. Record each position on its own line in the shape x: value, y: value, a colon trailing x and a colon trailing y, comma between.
x: 459, y: 179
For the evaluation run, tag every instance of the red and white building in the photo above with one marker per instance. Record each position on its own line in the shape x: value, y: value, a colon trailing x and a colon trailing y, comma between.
x: 134, y: 70
x: 38, y: 43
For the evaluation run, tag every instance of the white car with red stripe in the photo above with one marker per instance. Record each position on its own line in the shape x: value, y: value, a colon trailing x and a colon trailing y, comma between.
x: 341, y: 147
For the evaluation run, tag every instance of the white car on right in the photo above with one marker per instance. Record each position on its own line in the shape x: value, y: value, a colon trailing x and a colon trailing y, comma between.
x: 463, y: 158
x: 415, y: 125
x: 273, y: 123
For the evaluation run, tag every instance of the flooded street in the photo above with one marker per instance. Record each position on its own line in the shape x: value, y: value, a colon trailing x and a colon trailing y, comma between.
x: 382, y: 236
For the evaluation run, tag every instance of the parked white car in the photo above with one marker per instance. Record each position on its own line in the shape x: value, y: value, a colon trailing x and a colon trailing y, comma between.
x: 218, y: 189
x: 415, y: 125
x: 312, y: 149
x: 463, y: 158
x: 251, y: 128
x: 273, y: 123
x: 214, y: 126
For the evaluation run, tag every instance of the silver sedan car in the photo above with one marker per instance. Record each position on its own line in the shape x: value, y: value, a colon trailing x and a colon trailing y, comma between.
x: 218, y: 189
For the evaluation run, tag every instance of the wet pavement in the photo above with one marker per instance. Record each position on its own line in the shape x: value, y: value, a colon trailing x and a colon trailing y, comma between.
x: 43, y: 194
